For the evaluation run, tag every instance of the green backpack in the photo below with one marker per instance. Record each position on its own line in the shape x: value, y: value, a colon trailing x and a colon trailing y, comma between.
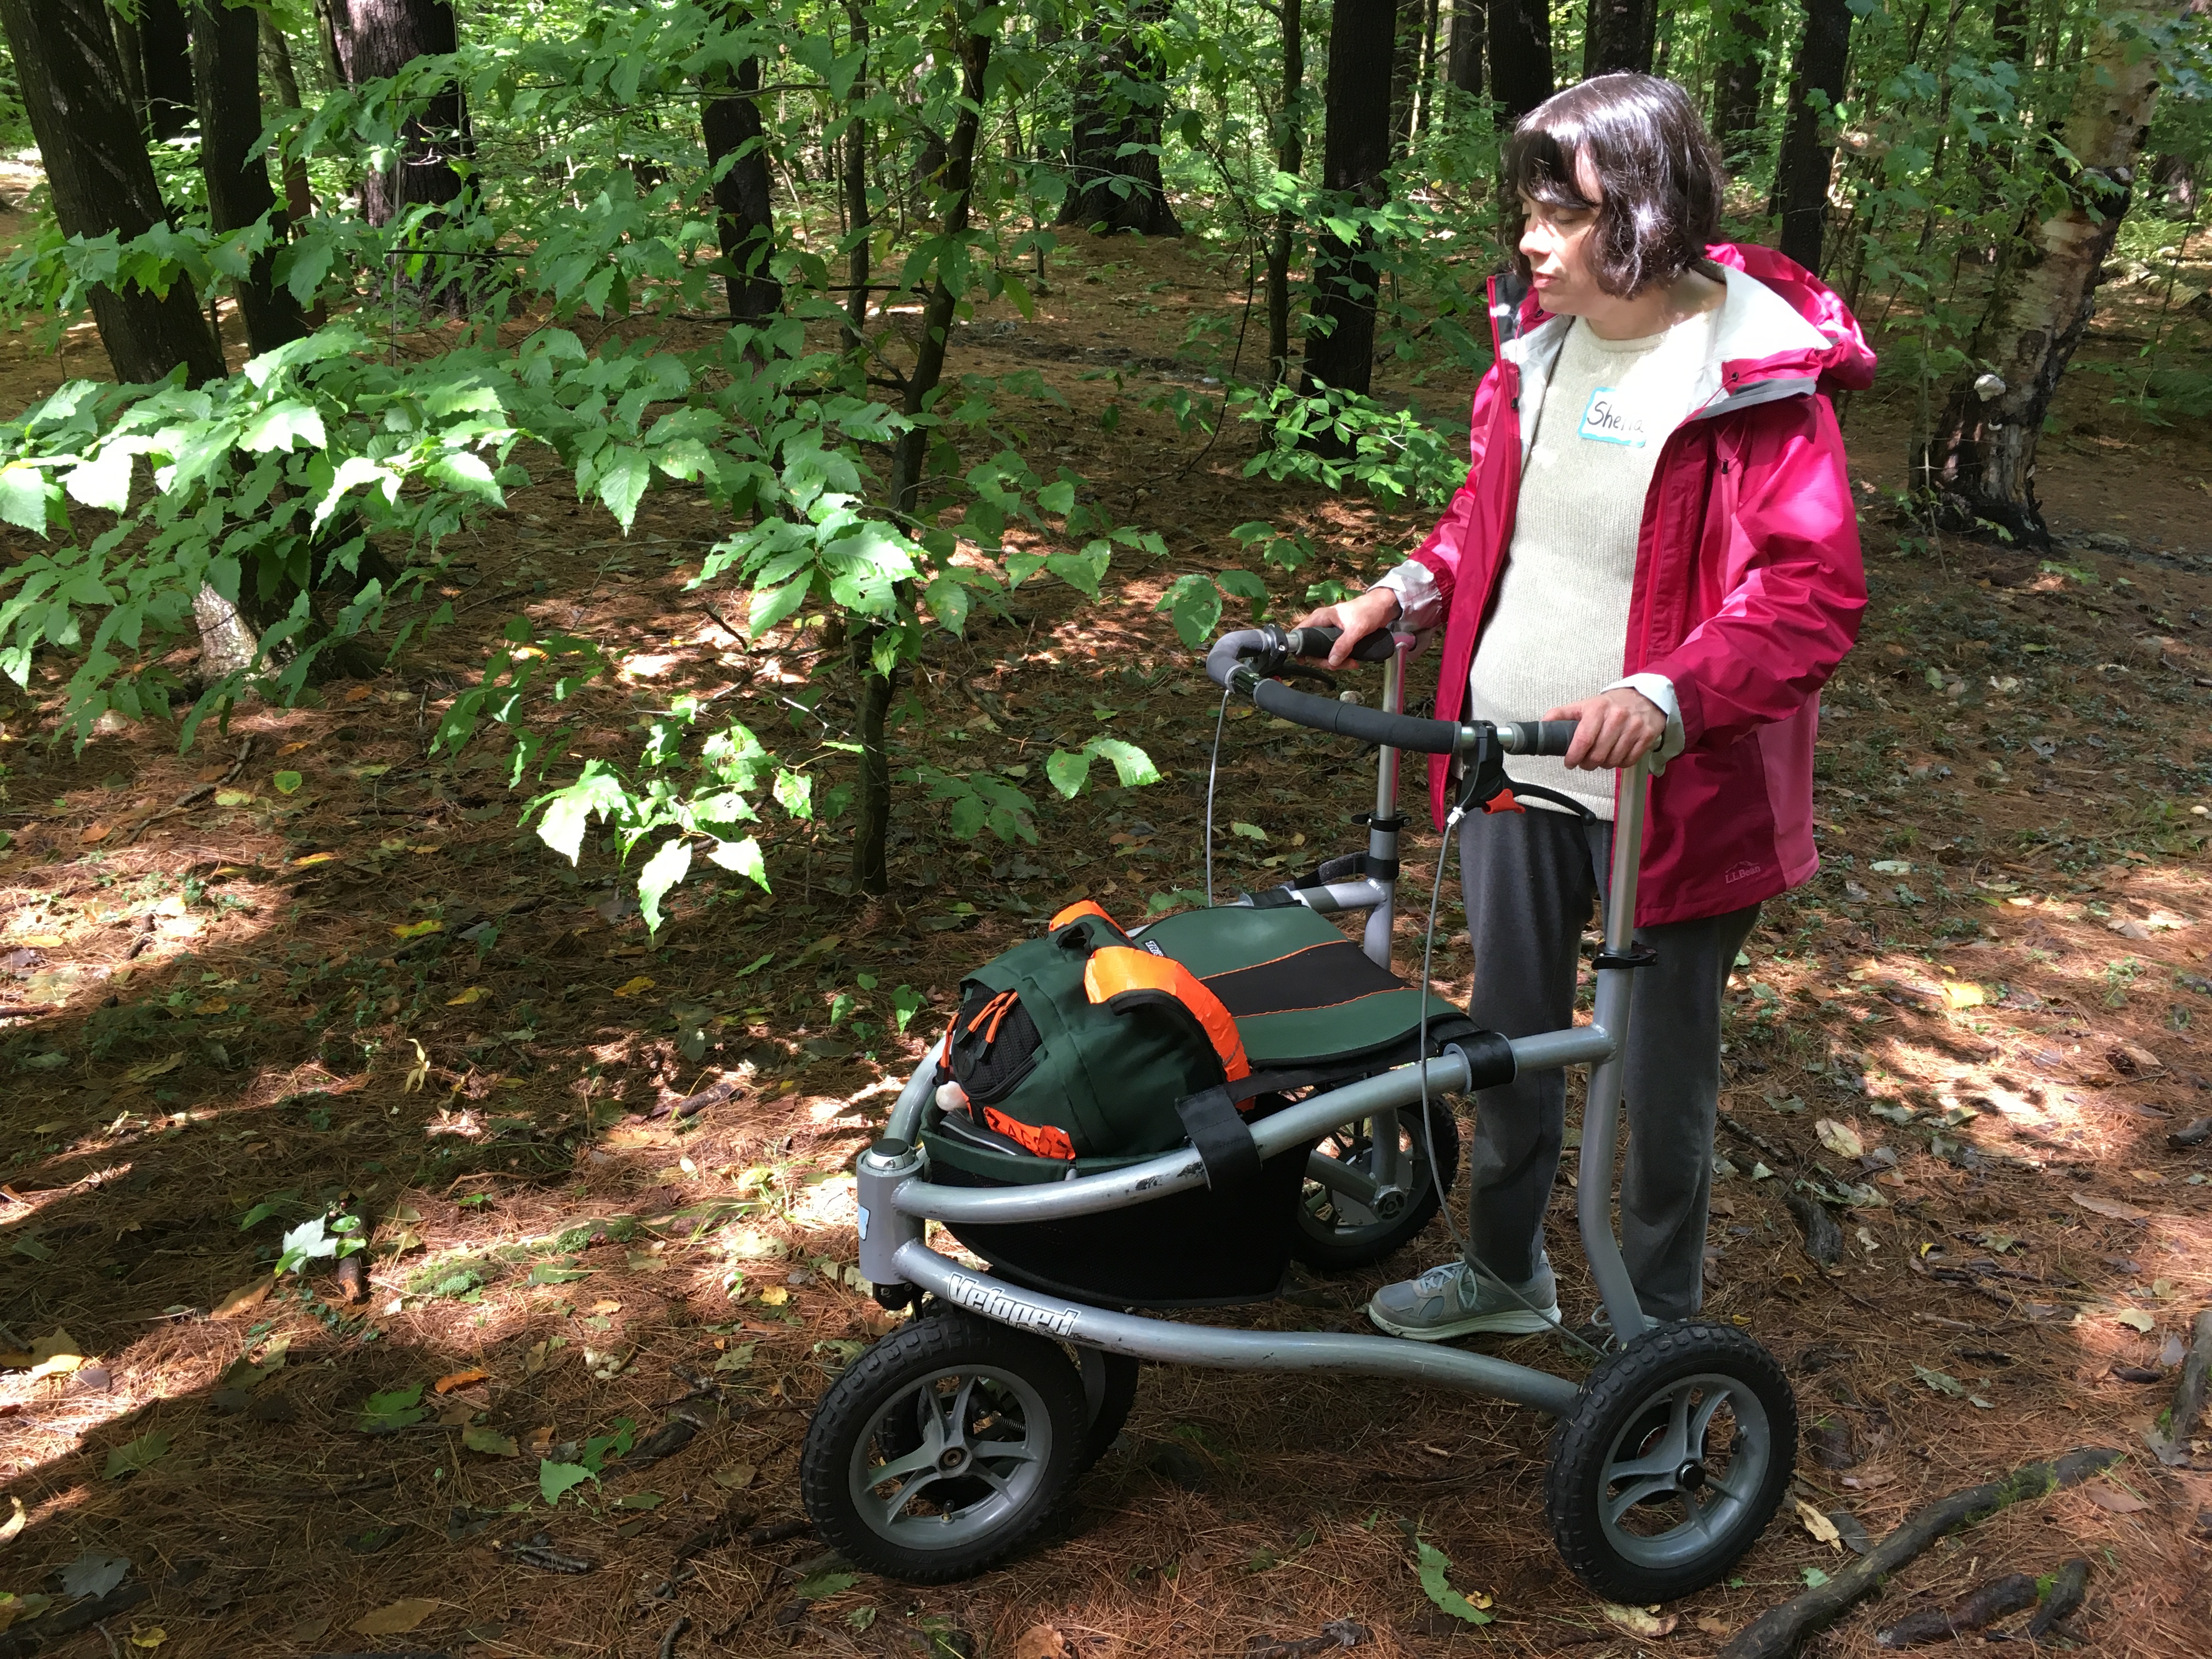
x: 1092, y: 1048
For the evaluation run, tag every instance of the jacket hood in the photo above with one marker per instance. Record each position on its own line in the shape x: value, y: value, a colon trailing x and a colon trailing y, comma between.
x: 1781, y: 331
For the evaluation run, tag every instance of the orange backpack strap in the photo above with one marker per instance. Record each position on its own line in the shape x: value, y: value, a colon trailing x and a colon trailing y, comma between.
x: 1043, y: 1139
x: 1120, y: 976
x: 1083, y: 908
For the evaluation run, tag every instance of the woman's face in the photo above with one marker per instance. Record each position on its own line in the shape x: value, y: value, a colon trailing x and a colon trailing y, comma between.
x: 1556, y: 241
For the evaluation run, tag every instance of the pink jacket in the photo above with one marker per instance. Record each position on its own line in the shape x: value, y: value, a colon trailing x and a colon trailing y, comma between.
x: 1748, y: 585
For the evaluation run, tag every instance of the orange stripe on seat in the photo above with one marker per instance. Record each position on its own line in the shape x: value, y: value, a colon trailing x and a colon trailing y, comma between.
x: 1043, y: 1139
x: 1084, y: 907
x: 1119, y: 971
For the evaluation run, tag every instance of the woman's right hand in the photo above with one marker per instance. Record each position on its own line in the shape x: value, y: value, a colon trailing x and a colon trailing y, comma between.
x: 1376, y: 608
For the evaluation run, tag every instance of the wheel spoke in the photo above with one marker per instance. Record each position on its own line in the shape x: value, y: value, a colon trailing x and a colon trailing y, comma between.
x: 1694, y: 1440
x: 1341, y: 1176
x: 912, y: 1463
x: 894, y: 1506
x: 1009, y: 1451
x: 1621, y: 1503
x: 956, y: 1418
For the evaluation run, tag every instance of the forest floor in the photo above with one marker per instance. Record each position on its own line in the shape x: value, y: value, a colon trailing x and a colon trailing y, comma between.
x: 225, y: 1017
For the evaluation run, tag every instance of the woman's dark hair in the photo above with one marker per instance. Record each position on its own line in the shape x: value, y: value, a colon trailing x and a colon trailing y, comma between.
x: 1658, y: 174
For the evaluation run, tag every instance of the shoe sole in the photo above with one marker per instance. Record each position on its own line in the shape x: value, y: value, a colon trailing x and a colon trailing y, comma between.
x: 1517, y: 1322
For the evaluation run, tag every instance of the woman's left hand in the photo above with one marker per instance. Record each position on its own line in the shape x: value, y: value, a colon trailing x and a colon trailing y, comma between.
x: 1615, y: 729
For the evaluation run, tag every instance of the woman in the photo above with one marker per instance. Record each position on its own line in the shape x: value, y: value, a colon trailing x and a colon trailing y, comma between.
x: 1655, y: 539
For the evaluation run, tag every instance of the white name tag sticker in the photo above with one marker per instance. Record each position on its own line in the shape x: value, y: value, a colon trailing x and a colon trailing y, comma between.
x: 1612, y: 418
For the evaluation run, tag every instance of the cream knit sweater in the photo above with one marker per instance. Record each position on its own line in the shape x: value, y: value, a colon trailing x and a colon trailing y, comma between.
x: 1559, y: 629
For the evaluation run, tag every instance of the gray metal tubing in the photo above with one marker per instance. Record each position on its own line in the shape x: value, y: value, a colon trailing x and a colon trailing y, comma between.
x: 1227, y: 1350
x: 905, y: 1120
x: 1548, y: 1051
x: 1336, y: 895
x: 1602, y: 1105
x: 1174, y: 1171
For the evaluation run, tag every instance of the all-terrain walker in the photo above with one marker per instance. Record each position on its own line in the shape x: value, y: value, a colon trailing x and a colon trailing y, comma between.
x: 947, y: 1443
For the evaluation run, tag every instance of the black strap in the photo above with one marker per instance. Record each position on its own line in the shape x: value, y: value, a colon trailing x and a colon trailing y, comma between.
x: 1224, y: 1145
x: 1540, y: 792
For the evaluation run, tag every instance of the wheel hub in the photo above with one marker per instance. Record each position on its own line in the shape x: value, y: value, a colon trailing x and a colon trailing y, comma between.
x: 1690, y: 1477
x: 952, y: 1457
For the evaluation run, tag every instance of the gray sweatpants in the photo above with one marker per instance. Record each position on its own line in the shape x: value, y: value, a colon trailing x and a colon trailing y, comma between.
x: 1533, y: 879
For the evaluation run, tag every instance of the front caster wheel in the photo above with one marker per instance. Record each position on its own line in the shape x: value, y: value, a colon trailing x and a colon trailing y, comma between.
x: 1674, y: 1460
x: 943, y: 1448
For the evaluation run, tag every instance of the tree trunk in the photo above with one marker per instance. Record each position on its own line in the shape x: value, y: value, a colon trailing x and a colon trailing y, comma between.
x: 276, y: 64
x: 1520, y: 56
x: 1120, y: 92
x: 1355, y: 152
x: 226, y: 68
x: 1618, y: 36
x: 371, y: 38
x: 2008, y: 28
x: 1405, y: 75
x: 872, y: 805
x: 858, y: 222
x: 1808, y: 148
x: 1290, y: 158
x: 131, y: 59
x: 1463, y: 62
x: 1978, y: 466
x: 165, y: 45
x: 1739, y: 75
x: 1426, y: 97
x: 744, y: 195
x: 97, y: 168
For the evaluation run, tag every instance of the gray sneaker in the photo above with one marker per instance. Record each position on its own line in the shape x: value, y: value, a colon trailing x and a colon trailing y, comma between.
x: 1455, y: 1300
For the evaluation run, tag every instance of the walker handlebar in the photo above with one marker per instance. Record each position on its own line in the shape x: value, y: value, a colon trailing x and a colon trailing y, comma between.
x: 1268, y: 648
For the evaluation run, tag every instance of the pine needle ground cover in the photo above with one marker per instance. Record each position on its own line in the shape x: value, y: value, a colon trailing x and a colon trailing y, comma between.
x: 309, y: 974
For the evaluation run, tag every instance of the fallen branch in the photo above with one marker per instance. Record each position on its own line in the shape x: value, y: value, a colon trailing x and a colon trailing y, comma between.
x: 1824, y: 1239
x: 1779, y: 1630
x: 2172, y: 1444
x: 1975, y: 1610
x: 2066, y: 1593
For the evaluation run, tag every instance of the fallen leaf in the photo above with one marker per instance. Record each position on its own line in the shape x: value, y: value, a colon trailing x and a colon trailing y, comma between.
x: 1840, y: 1138
x: 605, y: 1305
x: 1890, y: 868
x: 2106, y: 1496
x: 453, y: 1380
x: 14, y: 1523
x: 2136, y: 1319
x: 474, y: 993
x: 287, y: 783
x: 2113, y: 1207
x: 308, y: 1631
x: 1637, y: 1622
x: 302, y: 863
x: 245, y: 1297
x: 417, y: 929
x: 1941, y: 1381
x: 541, y: 1439
x: 94, y: 832
x: 736, y: 1476
x: 152, y: 1637
x: 775, y: 1295
x: 94, y: 1573
x: 1042, y: 1642
x: 553, y: 1479
x: 395, y: 1618
x: 1712, y: 1626
x: 42, y: 941
x: 2133, y: 1060
x: 1962, y: 995
x: 53, y: 1355
x: 634, y: 987
x: 490, y: 1442
x: 135, y: 1454
x: 154, y: 1068
x: 1822, y: 1529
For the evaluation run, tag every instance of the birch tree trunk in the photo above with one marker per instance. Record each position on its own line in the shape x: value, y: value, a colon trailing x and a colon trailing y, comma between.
x: 1978, y: 467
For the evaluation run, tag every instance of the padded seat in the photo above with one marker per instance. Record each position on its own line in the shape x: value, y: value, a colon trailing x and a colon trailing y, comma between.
x: 1301, y: 993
